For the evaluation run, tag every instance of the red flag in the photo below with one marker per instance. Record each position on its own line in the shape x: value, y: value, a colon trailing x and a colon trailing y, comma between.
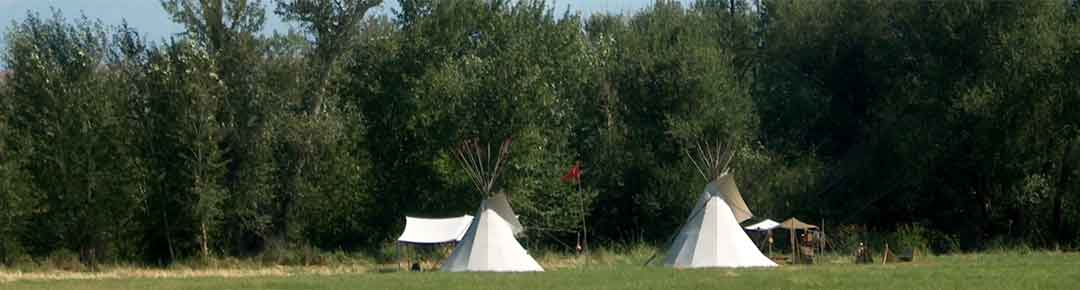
x: 574, y: 175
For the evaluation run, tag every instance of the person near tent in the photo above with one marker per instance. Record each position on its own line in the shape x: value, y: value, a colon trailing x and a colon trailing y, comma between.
x: 862, y: 255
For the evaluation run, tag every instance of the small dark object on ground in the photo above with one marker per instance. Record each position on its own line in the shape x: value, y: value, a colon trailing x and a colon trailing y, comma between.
x: 907, y: 256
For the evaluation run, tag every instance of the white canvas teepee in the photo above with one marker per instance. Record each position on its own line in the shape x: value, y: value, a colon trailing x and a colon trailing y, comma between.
x: 489, y: 244
x: 712, y: 236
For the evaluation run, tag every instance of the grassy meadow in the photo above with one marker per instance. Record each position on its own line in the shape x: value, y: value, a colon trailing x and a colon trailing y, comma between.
x: 1037, y: 270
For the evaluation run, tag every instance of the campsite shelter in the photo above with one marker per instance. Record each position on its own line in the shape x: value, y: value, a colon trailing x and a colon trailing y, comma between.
x: 433, y: 232
x: 765, y: 225
x: 798, y: 250
x: 489, y: 244
x: 712, y: 236
x: 764, y: 232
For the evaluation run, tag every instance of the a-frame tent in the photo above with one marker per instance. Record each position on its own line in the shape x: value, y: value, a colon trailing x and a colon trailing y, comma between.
x: 712, y: 236
x: 489, y: 244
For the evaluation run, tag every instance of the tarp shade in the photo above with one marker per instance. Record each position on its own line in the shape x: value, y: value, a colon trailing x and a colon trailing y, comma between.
x: 764, y: 225
x: 434, y: 231
x: 796, y: 224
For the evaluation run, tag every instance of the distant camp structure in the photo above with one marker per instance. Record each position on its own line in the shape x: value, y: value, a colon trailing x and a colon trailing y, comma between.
x: 489, y: 244
x: 764, y: 229
x: 802, y: 247
x: 429, y: 233
x: 712, y: 236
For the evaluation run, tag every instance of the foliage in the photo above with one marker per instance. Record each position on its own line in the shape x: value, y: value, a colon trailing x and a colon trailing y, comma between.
x: 953, y: 119
x: 78, y: 115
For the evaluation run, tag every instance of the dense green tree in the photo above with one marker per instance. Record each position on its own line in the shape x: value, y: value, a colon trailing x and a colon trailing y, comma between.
x: 249, y: 112
x: 321, y: 165
x: 17, y: 197
x: 955, y: 117
x: 77, y: 115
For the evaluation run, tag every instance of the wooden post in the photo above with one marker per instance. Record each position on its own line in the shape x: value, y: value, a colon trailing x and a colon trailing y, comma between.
x: 770, y: 240
x: 885, y: 254
x: 821, y: 238
x: 584, y: 224
x: 791, y: 236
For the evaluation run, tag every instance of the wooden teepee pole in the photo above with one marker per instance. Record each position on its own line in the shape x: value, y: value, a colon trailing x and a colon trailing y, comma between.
x: 791, y: 236
x: 481, y: 164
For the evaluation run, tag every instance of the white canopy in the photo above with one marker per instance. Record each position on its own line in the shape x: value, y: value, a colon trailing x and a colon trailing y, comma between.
x: 489, y: 244
x: 764, y: 225
x: 434, y: 231
x: 712, y: 237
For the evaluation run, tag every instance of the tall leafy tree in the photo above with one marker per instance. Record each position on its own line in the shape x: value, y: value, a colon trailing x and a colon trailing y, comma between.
x: 319, y: 144
x: 77, y: 114
x: 17, y: 197
x: 227, y: 29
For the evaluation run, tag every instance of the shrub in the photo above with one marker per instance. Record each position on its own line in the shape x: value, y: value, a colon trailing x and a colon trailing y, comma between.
x: 64, y: 259
x: 911, y: 236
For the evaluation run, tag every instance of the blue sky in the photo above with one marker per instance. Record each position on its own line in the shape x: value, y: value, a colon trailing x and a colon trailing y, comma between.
x: 148, y: 17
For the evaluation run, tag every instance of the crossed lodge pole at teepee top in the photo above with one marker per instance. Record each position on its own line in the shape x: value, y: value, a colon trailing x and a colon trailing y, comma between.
x: 481, y: 164
x: 712, y: 160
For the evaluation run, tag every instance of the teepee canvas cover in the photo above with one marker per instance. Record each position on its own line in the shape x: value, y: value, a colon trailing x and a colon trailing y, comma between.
x: 489, y: 244
x: 712, y: 236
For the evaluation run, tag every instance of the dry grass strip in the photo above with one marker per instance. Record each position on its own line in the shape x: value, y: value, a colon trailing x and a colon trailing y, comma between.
x: 144, y: 273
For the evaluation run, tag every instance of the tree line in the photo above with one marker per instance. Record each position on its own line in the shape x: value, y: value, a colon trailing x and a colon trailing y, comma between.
x: 955, y: 116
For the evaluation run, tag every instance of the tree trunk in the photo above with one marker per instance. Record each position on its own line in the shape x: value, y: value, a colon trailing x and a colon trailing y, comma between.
x: 1064, y: 174
x: 204, y: 239
x: 168, y: 235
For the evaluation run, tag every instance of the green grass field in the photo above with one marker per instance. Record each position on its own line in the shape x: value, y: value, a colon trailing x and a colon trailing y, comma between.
x: 1045, y: 270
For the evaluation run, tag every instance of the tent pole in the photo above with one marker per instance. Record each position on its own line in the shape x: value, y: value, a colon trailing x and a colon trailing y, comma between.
x: 584, y: 225
x: 770, y: 240
x: 791, y: 236
x: 821, y: 239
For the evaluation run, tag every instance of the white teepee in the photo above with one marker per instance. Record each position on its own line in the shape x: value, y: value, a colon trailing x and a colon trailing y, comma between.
x: 489, y: 244
x: 712, y: 236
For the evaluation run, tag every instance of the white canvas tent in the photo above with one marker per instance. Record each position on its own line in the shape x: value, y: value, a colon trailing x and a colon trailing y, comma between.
x: 765, y: 225
x: 712, y: 236
x: 762, y: 233
x: 428, y: 231
x: 489, y: 244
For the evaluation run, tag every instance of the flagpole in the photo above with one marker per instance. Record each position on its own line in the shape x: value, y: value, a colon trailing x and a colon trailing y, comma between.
x: 583, y: 236
x: 584, y: 224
